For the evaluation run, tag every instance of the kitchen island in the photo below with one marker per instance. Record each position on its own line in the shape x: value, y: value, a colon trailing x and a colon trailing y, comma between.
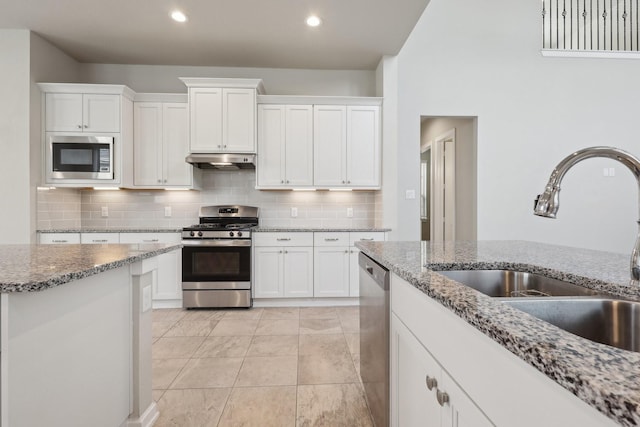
x: 512, y: 368
x: 75, y: 334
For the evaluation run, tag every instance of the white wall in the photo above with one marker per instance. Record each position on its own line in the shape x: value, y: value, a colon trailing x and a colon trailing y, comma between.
x: 47, y: 64
x: 277, y: 81
x: 469, y: 58
x: 14, y: 137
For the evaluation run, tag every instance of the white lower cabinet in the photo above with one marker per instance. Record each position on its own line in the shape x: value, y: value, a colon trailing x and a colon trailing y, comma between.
x: 168, y: 286
x: 485, y: 384
x: 283, y: 265
x: 331, y: 273
x: 423, y: 394
x: 99, y: 238
x: 58, y: 238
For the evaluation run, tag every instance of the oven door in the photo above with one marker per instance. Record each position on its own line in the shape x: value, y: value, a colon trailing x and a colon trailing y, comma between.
x: 216, y: 264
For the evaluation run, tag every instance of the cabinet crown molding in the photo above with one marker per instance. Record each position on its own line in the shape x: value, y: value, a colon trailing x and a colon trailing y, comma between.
x: 161, y: 97
x: 88, y: 89
x: 223, y: 82
x: 319, y: 100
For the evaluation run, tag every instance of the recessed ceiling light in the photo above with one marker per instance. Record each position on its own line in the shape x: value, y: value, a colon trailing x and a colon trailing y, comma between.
x: 178, y: 16
x: 313, y: 21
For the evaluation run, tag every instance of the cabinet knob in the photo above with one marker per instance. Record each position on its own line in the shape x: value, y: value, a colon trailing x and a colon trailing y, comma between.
x: 159, y: 181
x: 287, y: 181
x: 343, y: 182
x: 286, y: 252
x: 165, y: 181
x: 224, y: 146
x: 219, y: 146
x: 442, y: 397
x: 279, y: 252
x: 86, y: 126
x: 348, y: 182
x: 79, y: 126
x: 282, y: 182
x: 431, y: 382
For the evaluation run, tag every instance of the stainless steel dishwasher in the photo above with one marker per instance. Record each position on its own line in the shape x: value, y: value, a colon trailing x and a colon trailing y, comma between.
x: 374, y: 337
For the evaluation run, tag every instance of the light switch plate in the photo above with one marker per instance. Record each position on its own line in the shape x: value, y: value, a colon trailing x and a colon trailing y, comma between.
x: 349, y: 212
x: 294, y: 212
x: 167, y: 211
x: 105, y: 211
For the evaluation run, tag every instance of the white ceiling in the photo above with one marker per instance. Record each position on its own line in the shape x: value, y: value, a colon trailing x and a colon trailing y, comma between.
x: 233, y: 33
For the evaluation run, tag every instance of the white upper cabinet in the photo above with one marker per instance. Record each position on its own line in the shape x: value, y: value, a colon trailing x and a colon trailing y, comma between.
x: 222, y: 114
x: 78, y: 112
x: 160, y: 145
x: 329, y: 145
x: 347, y: 146
x: 285, y: 146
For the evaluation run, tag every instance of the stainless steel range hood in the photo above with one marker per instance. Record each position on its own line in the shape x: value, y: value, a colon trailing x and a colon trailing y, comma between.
x: 222, y: 161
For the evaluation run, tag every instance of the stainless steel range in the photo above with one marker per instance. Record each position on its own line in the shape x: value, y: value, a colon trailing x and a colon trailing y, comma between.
x: 216, y: 258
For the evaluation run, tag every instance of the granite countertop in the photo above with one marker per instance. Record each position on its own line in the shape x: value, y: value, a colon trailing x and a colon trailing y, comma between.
x: 605, y: 377
x: 302, y: 229
x: 114, y: 230
x: 29, y: 268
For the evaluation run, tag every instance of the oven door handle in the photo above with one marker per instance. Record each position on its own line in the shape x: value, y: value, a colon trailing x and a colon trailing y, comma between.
x: 216, y: 242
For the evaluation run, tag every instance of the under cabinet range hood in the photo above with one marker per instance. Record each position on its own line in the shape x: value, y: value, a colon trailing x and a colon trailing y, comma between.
x: 223, y: 161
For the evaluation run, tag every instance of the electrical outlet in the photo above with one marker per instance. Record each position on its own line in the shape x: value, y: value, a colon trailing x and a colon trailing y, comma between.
x: 105, y: 211
x: 612, y: 171
x: 349, y: 212
x: 167, y: 211
x: 294, y: 212
x: 410, y: 194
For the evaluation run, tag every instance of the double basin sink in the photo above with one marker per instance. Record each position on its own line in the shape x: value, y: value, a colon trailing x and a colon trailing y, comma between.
x: 581, y: 311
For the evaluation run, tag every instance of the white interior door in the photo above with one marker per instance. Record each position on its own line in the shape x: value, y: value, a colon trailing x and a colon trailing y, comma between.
x: 443, y: 187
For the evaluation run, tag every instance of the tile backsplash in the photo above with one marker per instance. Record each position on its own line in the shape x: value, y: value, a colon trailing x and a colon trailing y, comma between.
x: 60, y: 208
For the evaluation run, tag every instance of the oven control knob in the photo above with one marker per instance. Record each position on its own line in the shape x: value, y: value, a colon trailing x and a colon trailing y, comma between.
x: 239, y: 233
x: 199, y: 233
x: 231, y: 234
x: 193, y: 233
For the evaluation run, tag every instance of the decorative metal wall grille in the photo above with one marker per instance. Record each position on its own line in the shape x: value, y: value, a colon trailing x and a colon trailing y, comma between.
x: 596, y: 25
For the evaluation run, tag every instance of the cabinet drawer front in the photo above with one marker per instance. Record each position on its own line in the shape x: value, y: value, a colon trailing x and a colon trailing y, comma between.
x: 331, y: 239
x: 59, y: 238
x: 99, y: 238
x: 135, y: 238
x: 283, y: 239
x: 367, y: 236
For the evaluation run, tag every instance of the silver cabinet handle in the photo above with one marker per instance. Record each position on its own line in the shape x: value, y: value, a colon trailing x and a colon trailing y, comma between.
x: 286, y: 252
x: 333, y: 239
x: 442, y: 397
x: 287, y: 181
x: 59, y: 241
x: 86, y: 126
x: 368, y: 240
x: 283, y: 239
x: 431, y: 382
x: 150, y: 240
x: 159, y: 181
x: 99, y: 240
x: 279, y: 252
x: 346, y: 251
x: 343, y: 182
x: 79, y: 126
x: 224, y: 146
x: 282, y: 181
x: 165, y: 181
x: 348, y: 182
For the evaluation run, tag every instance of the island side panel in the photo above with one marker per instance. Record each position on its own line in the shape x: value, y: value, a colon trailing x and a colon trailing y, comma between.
x: 69, y: 353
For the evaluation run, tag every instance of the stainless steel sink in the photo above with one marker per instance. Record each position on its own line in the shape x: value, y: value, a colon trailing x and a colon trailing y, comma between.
x: 505, y: 283
x: 607, y: 321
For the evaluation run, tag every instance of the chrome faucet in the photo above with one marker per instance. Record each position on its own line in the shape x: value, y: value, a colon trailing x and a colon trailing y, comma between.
x: 548, y: 203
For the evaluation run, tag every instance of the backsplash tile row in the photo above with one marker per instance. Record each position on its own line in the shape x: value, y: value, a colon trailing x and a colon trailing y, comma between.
x: 72, y: 208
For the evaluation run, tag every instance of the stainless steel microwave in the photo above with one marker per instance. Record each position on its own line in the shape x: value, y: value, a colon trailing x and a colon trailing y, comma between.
x: 80, y: 157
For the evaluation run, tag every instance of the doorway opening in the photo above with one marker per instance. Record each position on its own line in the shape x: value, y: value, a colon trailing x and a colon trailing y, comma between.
x: 448, y: 178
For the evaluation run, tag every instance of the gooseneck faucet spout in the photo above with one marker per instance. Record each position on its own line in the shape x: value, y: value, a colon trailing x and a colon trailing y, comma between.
x: 548, y: 203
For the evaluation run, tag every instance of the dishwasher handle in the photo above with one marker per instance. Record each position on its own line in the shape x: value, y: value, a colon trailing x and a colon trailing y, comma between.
x: 376, y: 271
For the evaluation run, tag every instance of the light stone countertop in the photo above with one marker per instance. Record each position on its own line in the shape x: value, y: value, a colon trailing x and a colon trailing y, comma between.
x: 29, y: 268
x: 605, y: 377
x: 261, y: 229
x: 113, y: 230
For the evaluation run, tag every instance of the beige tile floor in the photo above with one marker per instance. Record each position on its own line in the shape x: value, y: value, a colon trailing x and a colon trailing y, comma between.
x: 266, y: 367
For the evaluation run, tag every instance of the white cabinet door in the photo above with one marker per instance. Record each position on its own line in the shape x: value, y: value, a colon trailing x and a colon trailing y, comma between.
x: 299, y: 145
x: 239, y: 120
x: 59, y: 238
x: 63, y: 112
x: 175, y: 137
x: 460, y: 411
x: 268, y: 272
x: 271, y: 145
x: 329, y: 145
x: 412, y: 403
x: 147, y: 144
x: 169, y: 283
x: 298, y: 272
x: 363, y: 146
x: 205, y: 119
x: 354, y: 272
x: 101, y: 113
x: 331, y: 271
